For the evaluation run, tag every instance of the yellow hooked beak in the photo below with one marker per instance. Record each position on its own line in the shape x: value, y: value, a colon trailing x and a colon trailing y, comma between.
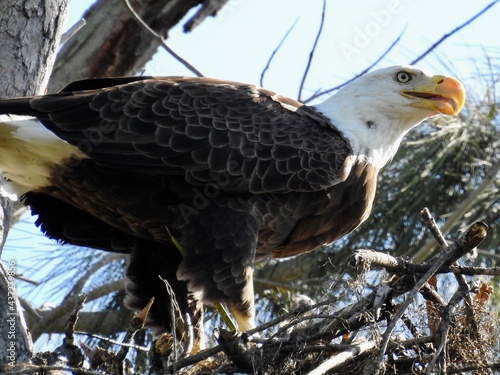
x: 442, y: 95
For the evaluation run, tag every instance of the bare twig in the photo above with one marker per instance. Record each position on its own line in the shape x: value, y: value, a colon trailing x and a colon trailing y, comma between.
x: 444, y: 327
x: 366, y: 259
x: 454, y: 31
x: 66, y: 307
x: 411, y: 342
x: 111, y: 341
x: 72, y: 31
x: 268, y: 64
x: 466, y: 242
x: 160, y: 40
x: 191, y: 360
x: 430, y: 295
x: 311, y: 54
x: 26, y: 280
x: 430, y: 222
x: 399, y: 266
x: 208, y: 8
x: 473, y: 271
x: 175, y: 311
x: 366, y: 70
x: 207, y: 353
x: 340, y: 358
x: 105, y: 260
x: 265, y: 283
x: 69, y: 328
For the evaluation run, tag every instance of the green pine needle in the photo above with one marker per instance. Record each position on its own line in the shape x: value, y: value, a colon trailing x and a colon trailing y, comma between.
x: 226, y: 318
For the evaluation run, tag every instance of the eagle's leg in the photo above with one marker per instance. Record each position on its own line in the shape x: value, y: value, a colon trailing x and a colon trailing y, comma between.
x: 151, y: 266
x: 219, y: 243
x: 244, y: 310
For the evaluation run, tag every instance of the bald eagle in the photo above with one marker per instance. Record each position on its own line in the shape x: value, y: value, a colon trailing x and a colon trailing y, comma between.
x: 232, y: 171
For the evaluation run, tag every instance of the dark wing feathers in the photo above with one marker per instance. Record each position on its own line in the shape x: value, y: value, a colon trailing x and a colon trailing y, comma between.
x: 222, y: 225
x: 175, y: 136
x: 199, y: 127
x: 99, y: 83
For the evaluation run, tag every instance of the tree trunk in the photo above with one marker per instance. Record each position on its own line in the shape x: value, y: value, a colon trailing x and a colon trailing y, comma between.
x: 29, y: 33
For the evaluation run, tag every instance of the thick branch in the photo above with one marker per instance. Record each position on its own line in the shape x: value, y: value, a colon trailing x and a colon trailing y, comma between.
x: 114, y: 44
x: 372, y: 259
x: 340, y: 358
x: 160, y: 40
x: 61, y: 312
x: 102, y: 323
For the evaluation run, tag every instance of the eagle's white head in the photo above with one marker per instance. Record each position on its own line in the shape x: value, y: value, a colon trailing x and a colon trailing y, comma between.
x: 376, y: 110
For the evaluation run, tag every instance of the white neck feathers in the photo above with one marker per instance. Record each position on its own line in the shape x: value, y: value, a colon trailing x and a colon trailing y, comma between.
x: 374, y: 127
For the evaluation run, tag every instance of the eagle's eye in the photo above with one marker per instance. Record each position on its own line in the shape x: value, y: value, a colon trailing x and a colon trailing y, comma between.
x: 403, y: 77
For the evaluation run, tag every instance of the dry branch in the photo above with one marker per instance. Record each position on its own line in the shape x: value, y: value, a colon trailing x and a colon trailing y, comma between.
x: 161, y: 42
x: 454, y: 31
x: 287, y: 345
x: 366, y: 258
x: 113, y: 44
x: 466, y: 243
x: 340, y: 359
x: 313, y: 50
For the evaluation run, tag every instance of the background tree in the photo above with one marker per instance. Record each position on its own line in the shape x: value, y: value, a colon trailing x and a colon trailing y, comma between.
x: 23, y: 71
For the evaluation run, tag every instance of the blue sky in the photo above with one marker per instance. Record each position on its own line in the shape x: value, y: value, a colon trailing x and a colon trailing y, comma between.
x: 238, y: 42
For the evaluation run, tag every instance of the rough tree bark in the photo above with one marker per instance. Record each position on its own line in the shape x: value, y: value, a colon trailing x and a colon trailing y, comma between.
x: 29, y: 34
